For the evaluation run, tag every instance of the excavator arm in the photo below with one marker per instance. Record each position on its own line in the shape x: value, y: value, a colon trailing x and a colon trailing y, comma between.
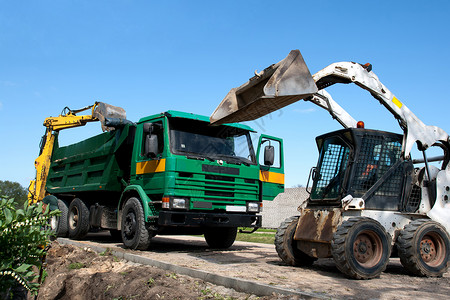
x: 67, y: 119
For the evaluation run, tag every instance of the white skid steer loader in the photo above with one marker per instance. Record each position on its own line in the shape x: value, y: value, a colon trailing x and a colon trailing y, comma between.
x: 369, y: 199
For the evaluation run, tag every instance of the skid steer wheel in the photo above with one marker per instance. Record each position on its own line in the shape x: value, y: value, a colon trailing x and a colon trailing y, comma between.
x: 286, y: 246
x: 361, y: 248
x: 135, y: 234
x: 423, y: 248
x: 78, y: 219
x: 220, y: 237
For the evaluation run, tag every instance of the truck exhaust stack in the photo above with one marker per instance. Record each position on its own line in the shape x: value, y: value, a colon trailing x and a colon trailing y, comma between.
x: 278, y: 85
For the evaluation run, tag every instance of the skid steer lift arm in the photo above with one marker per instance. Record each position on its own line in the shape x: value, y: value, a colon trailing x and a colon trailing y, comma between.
x: 289, y: 80
x: 361, y: 75
x: 68, y: 119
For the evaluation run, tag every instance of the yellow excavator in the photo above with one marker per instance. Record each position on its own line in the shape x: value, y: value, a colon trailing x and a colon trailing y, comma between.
x: 105, y: 113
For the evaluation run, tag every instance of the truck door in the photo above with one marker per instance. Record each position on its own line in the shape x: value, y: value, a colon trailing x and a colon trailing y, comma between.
x: 150, y: 165
x: 271, y: 164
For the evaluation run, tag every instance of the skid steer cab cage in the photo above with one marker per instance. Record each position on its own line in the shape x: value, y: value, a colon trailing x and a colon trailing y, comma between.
x: 278, y: 85
x: 376, y: 175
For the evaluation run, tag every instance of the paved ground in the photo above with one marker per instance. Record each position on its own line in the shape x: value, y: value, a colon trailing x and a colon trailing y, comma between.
x: 260, y: 263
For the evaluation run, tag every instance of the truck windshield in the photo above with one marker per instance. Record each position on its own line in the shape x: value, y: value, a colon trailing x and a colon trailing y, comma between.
x: 198, y: 139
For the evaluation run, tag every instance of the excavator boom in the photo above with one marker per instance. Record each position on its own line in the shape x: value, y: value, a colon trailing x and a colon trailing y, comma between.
x: 68, y: 119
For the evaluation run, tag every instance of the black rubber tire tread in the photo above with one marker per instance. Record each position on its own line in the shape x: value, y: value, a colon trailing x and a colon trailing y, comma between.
x: 342, y: 248
x: 63, y: 227
x: 82, y: 226
x: 408, y: 245
x: 285, y: 245
x: 220, y: 237
x: 115, y: 234
x: 140, y: 238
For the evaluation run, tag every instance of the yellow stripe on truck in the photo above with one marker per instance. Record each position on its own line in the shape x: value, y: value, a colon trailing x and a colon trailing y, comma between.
x: 267, y: 176
x: 151, y: 166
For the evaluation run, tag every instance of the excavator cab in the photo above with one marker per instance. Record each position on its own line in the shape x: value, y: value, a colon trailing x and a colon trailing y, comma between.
x: 363, y: 163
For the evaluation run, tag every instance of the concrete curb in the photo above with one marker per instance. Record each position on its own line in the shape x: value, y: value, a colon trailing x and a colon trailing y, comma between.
x: 240, y: 285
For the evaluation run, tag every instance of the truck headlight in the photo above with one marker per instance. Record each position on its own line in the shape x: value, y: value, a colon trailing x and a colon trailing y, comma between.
x: 175, y: 203
x: 253, y: 207
x: 180, y: 203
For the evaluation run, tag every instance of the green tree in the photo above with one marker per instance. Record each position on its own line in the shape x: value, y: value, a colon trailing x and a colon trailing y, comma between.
x: 24, y: 235
x: 15, y: 191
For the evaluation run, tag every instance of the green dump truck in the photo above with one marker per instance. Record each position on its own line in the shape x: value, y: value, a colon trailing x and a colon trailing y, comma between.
x: 170, y: 173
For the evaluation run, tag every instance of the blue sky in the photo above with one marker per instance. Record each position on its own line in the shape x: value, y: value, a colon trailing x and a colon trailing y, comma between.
x: 151, y: 56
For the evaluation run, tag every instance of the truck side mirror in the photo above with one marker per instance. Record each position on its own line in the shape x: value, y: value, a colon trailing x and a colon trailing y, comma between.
x: 269, y: 155
x: 151, y: 145
x: 148, y: 128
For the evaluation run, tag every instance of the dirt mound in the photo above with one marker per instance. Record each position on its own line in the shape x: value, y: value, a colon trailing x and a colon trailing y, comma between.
x: 75, y: 273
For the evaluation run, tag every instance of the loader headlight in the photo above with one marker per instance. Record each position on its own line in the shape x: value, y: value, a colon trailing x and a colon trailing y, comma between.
x: 253, y: 207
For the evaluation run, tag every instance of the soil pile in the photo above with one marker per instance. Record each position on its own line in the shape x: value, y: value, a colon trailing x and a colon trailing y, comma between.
x: 75, y: 273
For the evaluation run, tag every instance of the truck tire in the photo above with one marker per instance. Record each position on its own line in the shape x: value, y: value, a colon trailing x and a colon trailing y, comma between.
x: 135, y: 234
x: 220, y: 237
x: 361, y: 248
x: 115, y: 234
x: 423, y: 248
x: 286, y: 246
x: 78, y: 219
x: 62, y: 227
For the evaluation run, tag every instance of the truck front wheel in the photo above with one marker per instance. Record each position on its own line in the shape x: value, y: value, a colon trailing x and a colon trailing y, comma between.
x: 220, y: 237
x: 423, y: 248
x: 135, y: 234
x: 361, y: 248
x: 78, y: 219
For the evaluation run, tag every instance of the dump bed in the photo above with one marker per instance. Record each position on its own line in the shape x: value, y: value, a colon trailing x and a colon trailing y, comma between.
x: 95, y: 164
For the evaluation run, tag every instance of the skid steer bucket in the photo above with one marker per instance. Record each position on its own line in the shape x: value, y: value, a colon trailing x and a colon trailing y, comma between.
x: 105, y: 112
x: 277, y: 86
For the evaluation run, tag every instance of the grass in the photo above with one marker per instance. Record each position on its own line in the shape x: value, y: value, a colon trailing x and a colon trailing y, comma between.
x: 263, y: 236
x: 76, y: 265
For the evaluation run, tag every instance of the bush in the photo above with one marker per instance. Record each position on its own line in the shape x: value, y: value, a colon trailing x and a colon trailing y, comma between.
x: 24, y: 236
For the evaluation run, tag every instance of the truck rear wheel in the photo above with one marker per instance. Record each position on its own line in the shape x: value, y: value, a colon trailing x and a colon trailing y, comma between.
x: 135, y: 234
x: 61, y: 227
x: 220, y: 237
x: 361, y: 248
x: 286, y: 246
x: 423, y: 248
x: 78, y: 219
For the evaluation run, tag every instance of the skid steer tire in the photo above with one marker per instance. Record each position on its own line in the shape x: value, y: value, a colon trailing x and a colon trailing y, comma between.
x: 220, y: 237
x: 423, y: 248
x: 361, y: 248
x: 286, y: 246
x: 135, y: 234
x: 62, y: 228
x: 78, y: 219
